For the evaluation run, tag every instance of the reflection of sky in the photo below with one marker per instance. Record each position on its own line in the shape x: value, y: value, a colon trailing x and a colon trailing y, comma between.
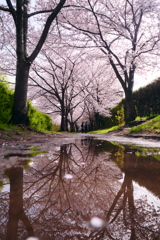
x: 141, y: 192
x: 6, y: 188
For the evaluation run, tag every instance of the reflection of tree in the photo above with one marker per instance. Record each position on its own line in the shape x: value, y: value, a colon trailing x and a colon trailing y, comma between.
x: 58, y: 206
x: 144, y: 170
x: 127, y: 191
x: 138, y: 219
x: 16, y: 211
x: 61, y: 208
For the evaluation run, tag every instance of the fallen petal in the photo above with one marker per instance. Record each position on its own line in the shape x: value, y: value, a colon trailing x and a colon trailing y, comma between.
x: 97, y: 222
x: 32, y: 238
x: 68, y: 176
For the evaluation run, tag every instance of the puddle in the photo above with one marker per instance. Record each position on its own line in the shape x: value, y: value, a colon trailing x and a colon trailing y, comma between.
x: 88, y: 189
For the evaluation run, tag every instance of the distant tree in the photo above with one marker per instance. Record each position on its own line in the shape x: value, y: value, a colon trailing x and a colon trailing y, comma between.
x: 59, y: 81
x: 26, y: 50
x: 100, y: 94
x: 70, y: 84
x: 124, y: 32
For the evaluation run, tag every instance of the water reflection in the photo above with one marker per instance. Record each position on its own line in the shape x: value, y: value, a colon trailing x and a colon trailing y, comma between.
x: 59, y: 195
x: 16, y: 210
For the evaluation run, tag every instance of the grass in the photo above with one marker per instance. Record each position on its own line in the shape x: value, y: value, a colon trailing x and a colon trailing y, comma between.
x: 10, y: 128
x: 20, y: 129
x: 151, y: 126
x: 105, y: 130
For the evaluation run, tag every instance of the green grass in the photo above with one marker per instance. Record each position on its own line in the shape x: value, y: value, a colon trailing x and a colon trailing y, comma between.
x: 105, y: 130
x: 10, y: 128
x: 151, y: 126
x: 141, y: 118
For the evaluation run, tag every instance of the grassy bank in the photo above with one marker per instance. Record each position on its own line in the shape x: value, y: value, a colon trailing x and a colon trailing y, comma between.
x: 106, y: 130
x: 150, y: 126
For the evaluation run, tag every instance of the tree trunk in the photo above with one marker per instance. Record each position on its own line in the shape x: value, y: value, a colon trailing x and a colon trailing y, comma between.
x: 66, y: 122
x: 19, y: 113
x: 130, y: 112
x: 62, y: 123
x: 63, y: 119
x: 72, y: 127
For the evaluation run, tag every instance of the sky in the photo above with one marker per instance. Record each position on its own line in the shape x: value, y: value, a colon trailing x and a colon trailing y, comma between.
x: 145, y: 79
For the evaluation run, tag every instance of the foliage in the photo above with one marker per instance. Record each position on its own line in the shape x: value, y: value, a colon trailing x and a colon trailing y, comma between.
x: 38, y: 120
x: 147, y: 99
x: 55, y: 127
x: 6, y: 102
x: 117, y: 116
x: 118, y: 113
x: 99, y: 121
x: 152, y: 125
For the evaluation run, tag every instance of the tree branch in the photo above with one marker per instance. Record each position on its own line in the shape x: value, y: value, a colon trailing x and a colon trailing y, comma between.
x: 43, y: 37
x: 4, y: 9
x: 12, y: 10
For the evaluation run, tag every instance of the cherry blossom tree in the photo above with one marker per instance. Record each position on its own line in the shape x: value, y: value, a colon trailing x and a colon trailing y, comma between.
x: 101, y: 94
x: 124, y: 33
x: 58, y: 79
x: 71, y: 85
x: 22, y: 14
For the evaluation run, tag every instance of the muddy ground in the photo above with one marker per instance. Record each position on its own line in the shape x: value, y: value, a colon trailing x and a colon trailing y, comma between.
x: 30, y: 136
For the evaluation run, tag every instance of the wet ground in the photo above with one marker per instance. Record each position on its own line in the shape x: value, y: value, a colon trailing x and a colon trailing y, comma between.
x: 80, y: 187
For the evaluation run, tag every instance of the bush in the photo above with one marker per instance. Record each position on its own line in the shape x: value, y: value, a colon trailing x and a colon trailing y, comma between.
x: 147, y: 99
x: 38, y: 120
x: 6, y: 101
x: 118, y: 114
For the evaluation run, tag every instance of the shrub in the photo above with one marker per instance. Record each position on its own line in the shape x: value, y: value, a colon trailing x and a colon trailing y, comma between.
x: 147, y: 99
x: 38, y: 120
x: 6, y: 101
x: 118, y: 114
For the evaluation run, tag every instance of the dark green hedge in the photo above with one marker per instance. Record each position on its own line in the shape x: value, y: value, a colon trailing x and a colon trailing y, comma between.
x: 147, y: 103
x: 147, y: 99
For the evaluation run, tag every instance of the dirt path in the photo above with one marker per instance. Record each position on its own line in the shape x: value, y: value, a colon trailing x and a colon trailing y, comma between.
x: 138, y: 141
x: 7, y: 138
